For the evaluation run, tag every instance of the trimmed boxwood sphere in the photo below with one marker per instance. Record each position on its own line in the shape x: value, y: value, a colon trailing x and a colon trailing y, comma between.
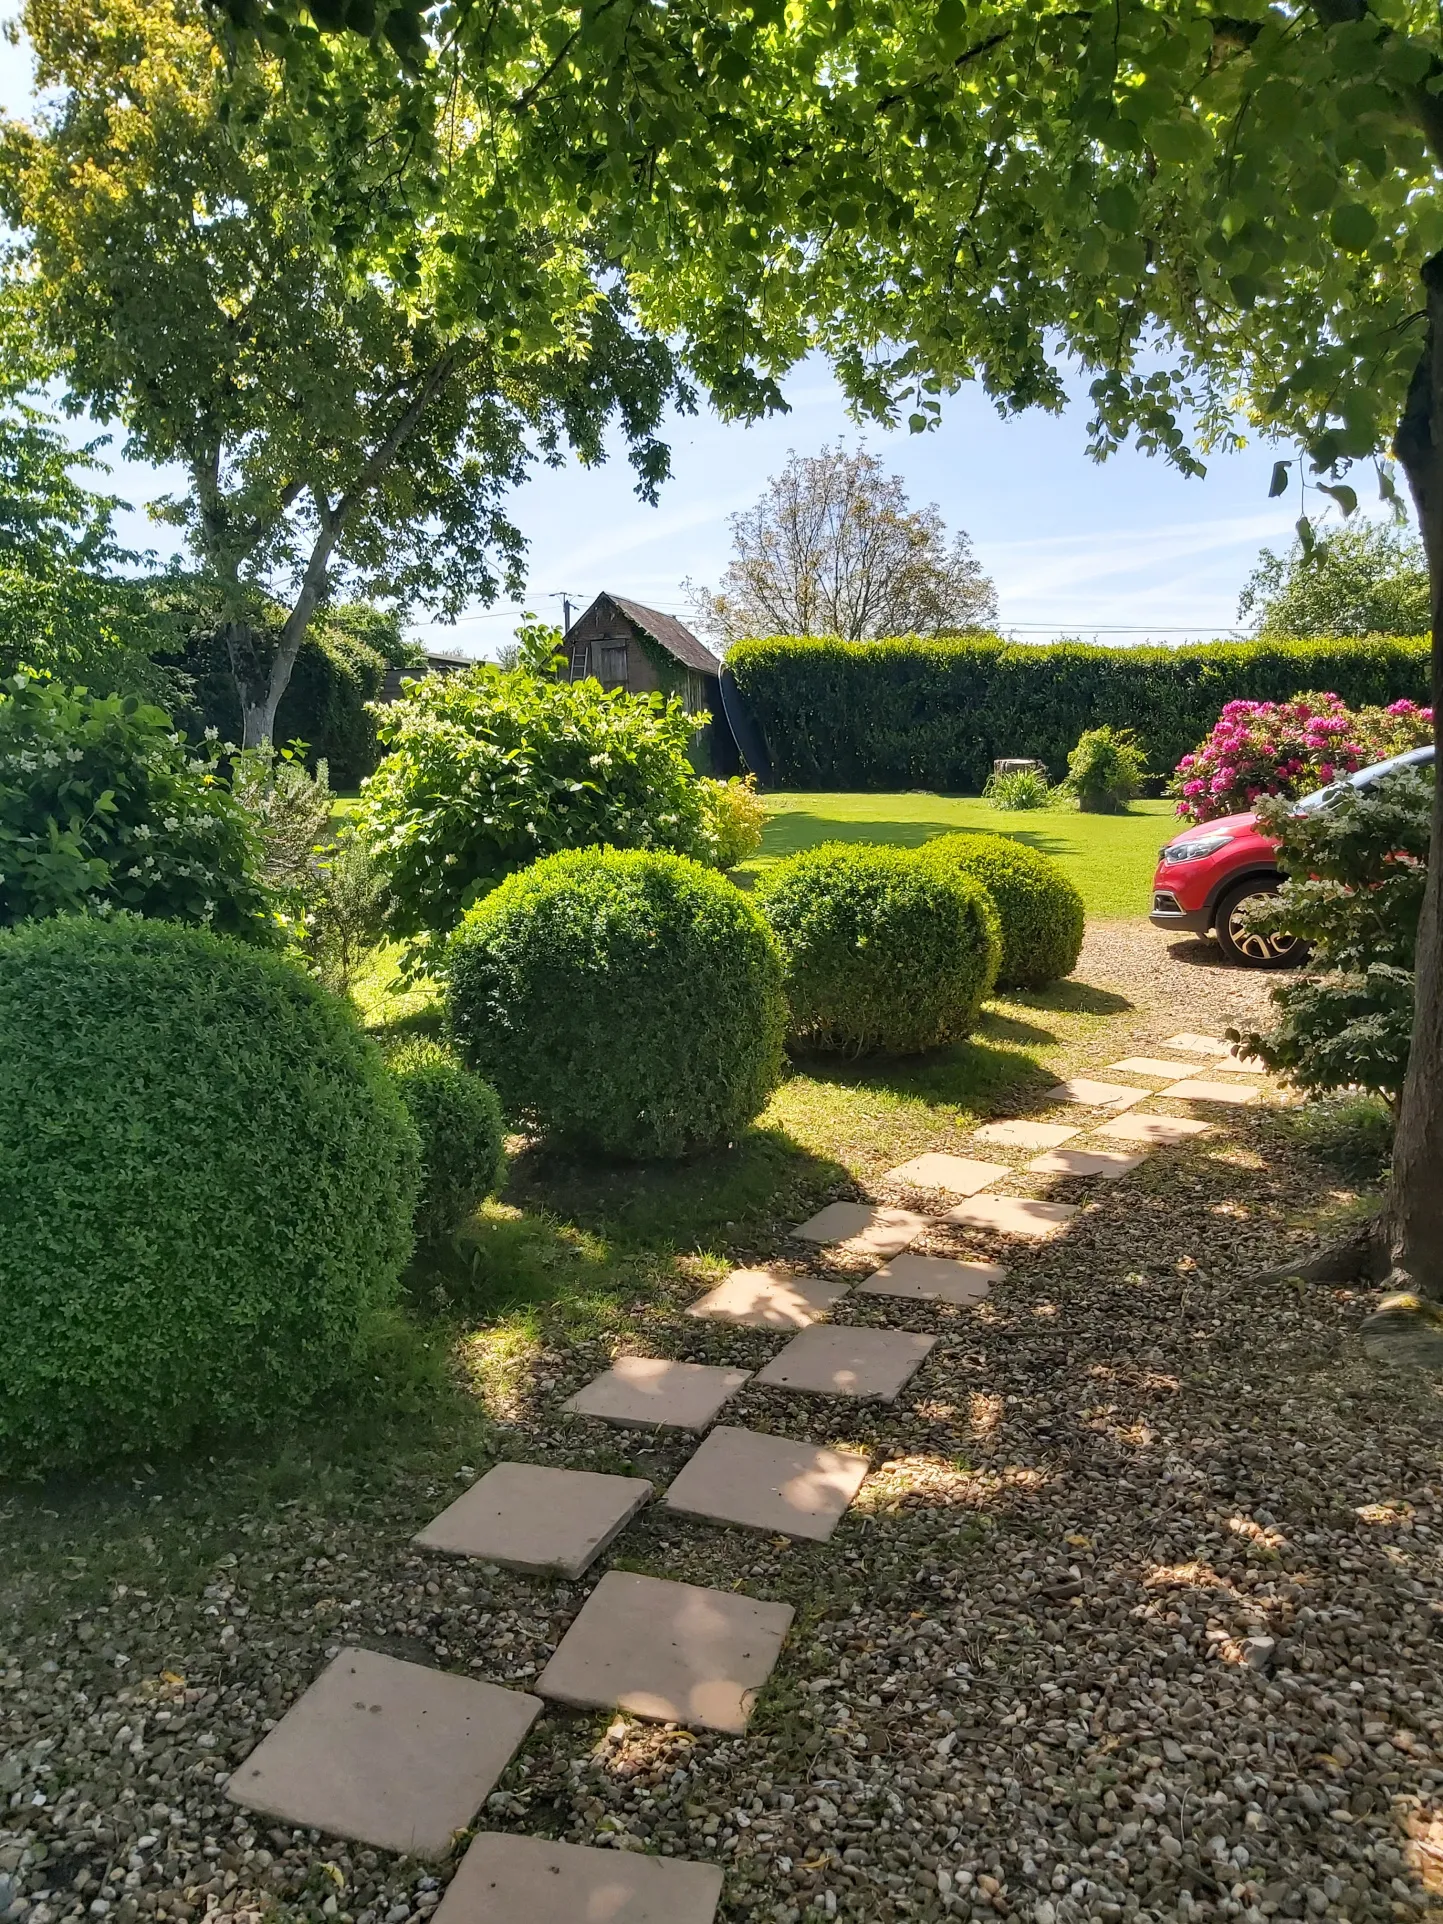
x: 207, y: 1182
x: 463, y: 1139
x: 1040, y: 909
x: 621, y: 1001
x: 881, y: 954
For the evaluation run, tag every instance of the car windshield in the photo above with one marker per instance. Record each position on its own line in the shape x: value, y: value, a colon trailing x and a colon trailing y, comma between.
x: 1365, y: 778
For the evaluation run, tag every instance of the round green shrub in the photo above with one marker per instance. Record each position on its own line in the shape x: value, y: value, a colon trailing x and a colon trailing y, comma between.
x: 881, y: 954
x: 1040, y: 909
x: 207, y: 1182
x: 463, y: 1139
x: 621, y: 1001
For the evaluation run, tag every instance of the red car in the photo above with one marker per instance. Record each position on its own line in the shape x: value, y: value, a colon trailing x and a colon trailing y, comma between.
x: 1207, y: 874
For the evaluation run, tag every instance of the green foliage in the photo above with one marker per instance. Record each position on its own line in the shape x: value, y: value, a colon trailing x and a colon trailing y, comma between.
x: 1106, y: 770
x: 1366, y: 579
x: 733, y: 817
x: 538, y: 647
x: 342, y: 911
x: 1040, y: 910
x: 624, y: 1002
x: 206, y: 1188
x: 487, y: 770
x: 1357, y: 871
x: 882, y: 954
x: 1019, y: 790
x: 914, y: 713
x: 104, y: 808
x: 64, y: 610
x: 292, y: 811
x: 463, y: 1139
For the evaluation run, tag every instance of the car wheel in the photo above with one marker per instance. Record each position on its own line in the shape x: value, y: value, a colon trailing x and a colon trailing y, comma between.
x: 1246, y: 949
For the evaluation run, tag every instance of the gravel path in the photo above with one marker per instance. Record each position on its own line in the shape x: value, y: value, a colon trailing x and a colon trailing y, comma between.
x: 1138, y: 1617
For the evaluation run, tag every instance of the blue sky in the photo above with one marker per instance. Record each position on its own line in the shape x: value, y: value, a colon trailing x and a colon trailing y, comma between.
x: 1118, y: 551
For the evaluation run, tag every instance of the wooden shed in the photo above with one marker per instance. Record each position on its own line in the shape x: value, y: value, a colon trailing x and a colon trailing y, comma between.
x: 623, y: 644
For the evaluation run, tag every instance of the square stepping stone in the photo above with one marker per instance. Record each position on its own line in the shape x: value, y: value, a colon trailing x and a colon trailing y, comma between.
x: 1013, y: 1215
x: 1152, y: 1066
x: 525, y: 1516
x: 1195, y: 1091
x: 530, y: 1880
x: 768, y: 1483
x: 1095, y: 1095
x: 388, y: 1753
x: 1026, y: 1135
x: 863, y: 1229
x: 838, y: 1360
x: 1199, y: 1045
x: 1164, y: 1129
x: 958, y: 1175
x: 642, y: 1391
x: 770, y: 1299
x: 1107, y: 1163
x: 668, y: 1651
x: 934, y: 1279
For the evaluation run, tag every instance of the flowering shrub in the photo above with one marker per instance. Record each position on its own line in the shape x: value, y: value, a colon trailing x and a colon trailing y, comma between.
x: 104, y: 807
x: 1263, y: 748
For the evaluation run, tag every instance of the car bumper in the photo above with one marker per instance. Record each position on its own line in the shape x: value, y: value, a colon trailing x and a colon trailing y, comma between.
x: 1169, y: 913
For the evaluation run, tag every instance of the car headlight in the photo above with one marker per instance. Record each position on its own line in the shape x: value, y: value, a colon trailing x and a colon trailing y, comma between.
x: 1196, y: 849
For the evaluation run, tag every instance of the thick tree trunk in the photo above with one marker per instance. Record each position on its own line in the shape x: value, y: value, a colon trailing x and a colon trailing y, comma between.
x: 1415, y: 1204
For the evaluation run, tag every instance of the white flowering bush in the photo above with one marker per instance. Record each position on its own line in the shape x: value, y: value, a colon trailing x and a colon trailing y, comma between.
x: 489, y: 769
x: 106, y: 809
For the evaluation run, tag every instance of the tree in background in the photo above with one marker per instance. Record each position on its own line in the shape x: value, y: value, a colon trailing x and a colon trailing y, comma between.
x: 1363, y: 579
x: 264, y: 297
x: 833, y: 548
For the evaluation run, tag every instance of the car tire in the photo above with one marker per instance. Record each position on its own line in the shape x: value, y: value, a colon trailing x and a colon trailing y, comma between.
x: 1239, y: 945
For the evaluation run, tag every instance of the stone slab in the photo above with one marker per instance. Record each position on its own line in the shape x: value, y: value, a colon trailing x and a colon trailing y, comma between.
x: 1013, y: 1215
x: 769, y: 1299
x: 768, y: 1483
x: 526, y: 1516
x: 1090, y: 1094
x: 531, y: 1880
x: 670, y: 1652
x: 1164, y: 1129
x: 934, y: 1279
x: 389, y: 1753
x: 863, y: 1229
x: 1107, y: 1163
x: 1203, y: 1091
x: 1153, y: 1066
x: 644, y: 1391
x: 958, y: 1175
x: 839, y: 1360
x: 1020, y: 1134
x: 1199, y: 1045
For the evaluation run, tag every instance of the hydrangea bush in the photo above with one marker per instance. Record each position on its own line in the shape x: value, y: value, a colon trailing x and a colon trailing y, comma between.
x: 1289, y: 748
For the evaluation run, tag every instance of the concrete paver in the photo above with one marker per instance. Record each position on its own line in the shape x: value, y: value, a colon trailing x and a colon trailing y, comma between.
x: 392, y: 1754
x: 531, y: 1880
x: 638, y: 1391
x: 958, y: 1175
x: 1020, y: 1134
x: 863, y: 1229
x: 1090, y: 1094
x: 527, y: 1516
x: 768, y: 1483
x: 1109, y: 1164
x: 1013, y: 1215
x: 1203, y: 1091
x: 770, y: 1299
x: 1163, y: 1129
x: 933, y: 1279
x: 838, y: 1360
x: 671, y: 1652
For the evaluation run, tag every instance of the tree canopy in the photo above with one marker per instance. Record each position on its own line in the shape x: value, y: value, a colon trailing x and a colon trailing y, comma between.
x: 266, y: 297
x: 1361, y: 579
x: 834, y: 548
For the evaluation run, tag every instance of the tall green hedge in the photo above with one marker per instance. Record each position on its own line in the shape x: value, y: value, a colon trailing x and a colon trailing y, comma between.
x: 935, y: 714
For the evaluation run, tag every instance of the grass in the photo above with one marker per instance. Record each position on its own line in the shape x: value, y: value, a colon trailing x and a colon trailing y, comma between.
x: 1111, y: 858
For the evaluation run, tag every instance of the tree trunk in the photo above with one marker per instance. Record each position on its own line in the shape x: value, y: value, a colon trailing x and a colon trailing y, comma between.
x: 1415, y: 1204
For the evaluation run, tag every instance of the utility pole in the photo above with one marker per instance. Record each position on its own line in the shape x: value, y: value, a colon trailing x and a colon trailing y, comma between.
x: 565, y: 615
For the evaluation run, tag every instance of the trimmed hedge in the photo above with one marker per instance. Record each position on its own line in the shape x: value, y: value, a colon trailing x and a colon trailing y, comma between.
x: 620, y: 1001
x: 917, y: 713
x: 207, y: 1182
x: 463, y: 1139
x: 883, y: 955
x: 1039, y: 906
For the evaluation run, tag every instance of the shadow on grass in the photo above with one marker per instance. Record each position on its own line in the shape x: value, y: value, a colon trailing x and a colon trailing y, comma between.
x: 966, y: 1076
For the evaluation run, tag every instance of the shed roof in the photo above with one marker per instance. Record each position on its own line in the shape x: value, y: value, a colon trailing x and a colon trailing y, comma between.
x: 669, y: 633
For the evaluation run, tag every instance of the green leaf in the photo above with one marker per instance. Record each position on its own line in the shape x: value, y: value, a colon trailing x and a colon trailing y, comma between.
x: 1306, y: 535
x: 1346, y: 497
x: 1279, y: 483
x: 1353, y: 226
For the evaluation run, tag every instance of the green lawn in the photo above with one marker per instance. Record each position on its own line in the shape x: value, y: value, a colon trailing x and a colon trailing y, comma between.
x: 1110, y: 857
